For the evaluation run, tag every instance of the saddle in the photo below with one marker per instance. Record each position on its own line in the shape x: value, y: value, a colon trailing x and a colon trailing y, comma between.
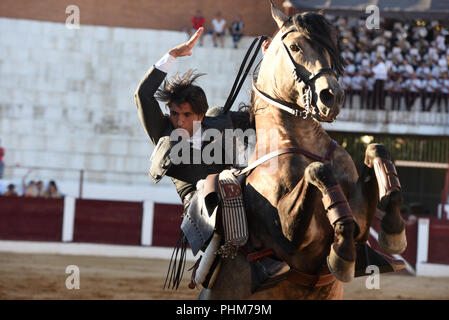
x: 218, y: 195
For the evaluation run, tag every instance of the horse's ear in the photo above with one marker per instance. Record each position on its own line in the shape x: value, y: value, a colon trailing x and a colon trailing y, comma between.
x: 278, y: 15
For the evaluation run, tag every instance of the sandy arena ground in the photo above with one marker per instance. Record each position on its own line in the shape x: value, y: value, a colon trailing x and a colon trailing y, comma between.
x: 38, y: 276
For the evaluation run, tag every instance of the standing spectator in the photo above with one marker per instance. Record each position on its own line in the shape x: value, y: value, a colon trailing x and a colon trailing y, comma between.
x: 219, y: 25
x: 40, y: 189
x: 2, y: 164
x: 380, y: 76
x: 444, y: 91
x: 357, y: 88
x: 198, y: 21
x: 414, y: 86
x: 430, y: 92
x: 11, y: 191
x: 396, y: 92
x: 237, y: 30
x: 52, y: 191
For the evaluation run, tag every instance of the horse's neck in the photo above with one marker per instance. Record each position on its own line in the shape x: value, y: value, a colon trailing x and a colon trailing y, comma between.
x: 276, y: 129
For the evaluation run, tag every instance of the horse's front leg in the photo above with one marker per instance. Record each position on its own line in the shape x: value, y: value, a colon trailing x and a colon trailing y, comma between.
x: 387, y: 189
x: 341, y: 260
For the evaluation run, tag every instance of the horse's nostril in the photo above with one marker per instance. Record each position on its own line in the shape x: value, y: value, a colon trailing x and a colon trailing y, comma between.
x: 327, y: 97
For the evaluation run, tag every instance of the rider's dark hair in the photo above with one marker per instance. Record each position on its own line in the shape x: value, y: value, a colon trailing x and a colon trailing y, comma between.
x: 181, y: 89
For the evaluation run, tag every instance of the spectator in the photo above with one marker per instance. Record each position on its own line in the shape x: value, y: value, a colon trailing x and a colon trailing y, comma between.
x: 430, y: 92
x: 11, y: 191
x: 237, y: 30
x: 2, y: 164
x: 444, y: 91
x: 396, y: 92
x: 218, y: 24
x: 198, y: 21
x: 414, y: 85
x: 40, y: 189
x: 52, y: 191
x: 30, y: 189
x: 357, y: 87
x: 380, y: 76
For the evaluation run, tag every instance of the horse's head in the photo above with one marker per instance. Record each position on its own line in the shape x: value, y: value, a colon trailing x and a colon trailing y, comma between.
x: 300, y: 69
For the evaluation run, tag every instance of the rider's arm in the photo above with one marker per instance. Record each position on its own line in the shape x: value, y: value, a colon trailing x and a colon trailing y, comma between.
x: 150, y: 114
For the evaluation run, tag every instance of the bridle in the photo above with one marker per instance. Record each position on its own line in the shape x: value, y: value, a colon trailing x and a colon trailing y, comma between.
x: 307, y: 91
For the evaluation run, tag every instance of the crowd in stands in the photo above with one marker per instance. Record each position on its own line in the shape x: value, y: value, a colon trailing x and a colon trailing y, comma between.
x: 218, y: 29
x: 33, y: 189
x: 402, y: 60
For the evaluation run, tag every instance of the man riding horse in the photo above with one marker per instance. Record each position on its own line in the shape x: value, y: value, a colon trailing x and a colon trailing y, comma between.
x: 286, y: 206
x: 190, y: 117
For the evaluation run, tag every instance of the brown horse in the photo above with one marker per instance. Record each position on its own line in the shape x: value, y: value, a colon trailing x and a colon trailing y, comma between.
x: 309, y: 213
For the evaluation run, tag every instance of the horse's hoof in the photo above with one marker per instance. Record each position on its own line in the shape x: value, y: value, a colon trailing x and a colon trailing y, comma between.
x: 342, y: 269
x: 394, y: 243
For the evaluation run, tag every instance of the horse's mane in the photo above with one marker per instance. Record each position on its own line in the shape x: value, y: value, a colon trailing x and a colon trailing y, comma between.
x: 317, y: 29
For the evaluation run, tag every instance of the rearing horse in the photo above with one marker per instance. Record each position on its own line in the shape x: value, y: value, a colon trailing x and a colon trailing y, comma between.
x: 314, y: 208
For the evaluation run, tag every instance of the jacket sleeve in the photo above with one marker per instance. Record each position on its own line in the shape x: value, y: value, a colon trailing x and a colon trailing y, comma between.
x: 153, y: 120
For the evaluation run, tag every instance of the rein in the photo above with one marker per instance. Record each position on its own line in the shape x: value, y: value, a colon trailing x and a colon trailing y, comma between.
x: 240, y: 79
x: 277, y: 153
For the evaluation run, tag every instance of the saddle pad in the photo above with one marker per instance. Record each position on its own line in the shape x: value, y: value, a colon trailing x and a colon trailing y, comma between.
x: 233, y: 214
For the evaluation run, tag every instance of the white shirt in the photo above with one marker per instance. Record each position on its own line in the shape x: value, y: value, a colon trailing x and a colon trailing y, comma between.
x: 444, y: 83
x: 357, y: 82
x: 380, y: 71
x: 414, y: 84
x: 165, y: 63
x: 218, y: 25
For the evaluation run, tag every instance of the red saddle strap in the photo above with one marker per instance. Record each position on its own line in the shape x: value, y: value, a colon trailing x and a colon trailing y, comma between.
x: 279, y: 152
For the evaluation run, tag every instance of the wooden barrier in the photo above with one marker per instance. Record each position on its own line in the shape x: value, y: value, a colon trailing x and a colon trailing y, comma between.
x: 438, y: 241
x: 112, y: 222
x: 34, y: 219
x: 166, y: 224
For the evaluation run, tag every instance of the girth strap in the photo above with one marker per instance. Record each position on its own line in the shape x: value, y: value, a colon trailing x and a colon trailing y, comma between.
x: 277, y: 153
x: 322, y: 278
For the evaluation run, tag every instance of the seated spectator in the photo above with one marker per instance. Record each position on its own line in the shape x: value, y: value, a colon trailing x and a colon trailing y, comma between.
x: 218, y: 24
x: 11, y: 191
x: 237, y: 30
x: 30, y: 190
x: 198, y: 21
x: 40, y: 189
x: 52, y: 191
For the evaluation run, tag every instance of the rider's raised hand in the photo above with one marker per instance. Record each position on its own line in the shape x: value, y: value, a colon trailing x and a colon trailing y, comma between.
x: 185, y: 49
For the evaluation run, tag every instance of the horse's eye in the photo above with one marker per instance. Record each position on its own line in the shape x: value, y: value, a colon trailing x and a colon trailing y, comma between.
x: 294, y: 48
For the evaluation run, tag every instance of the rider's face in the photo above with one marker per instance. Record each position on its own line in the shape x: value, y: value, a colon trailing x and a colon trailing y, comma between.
x: 182, y: 116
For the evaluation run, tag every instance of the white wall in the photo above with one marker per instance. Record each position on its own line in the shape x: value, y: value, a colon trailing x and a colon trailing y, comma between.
x: 67, y: 96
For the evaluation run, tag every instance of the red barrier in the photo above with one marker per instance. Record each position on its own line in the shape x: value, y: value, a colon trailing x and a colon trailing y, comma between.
x: 166, y: 224
x: 438, y: 241
x: 112, y: 222
x: 34, y: 219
